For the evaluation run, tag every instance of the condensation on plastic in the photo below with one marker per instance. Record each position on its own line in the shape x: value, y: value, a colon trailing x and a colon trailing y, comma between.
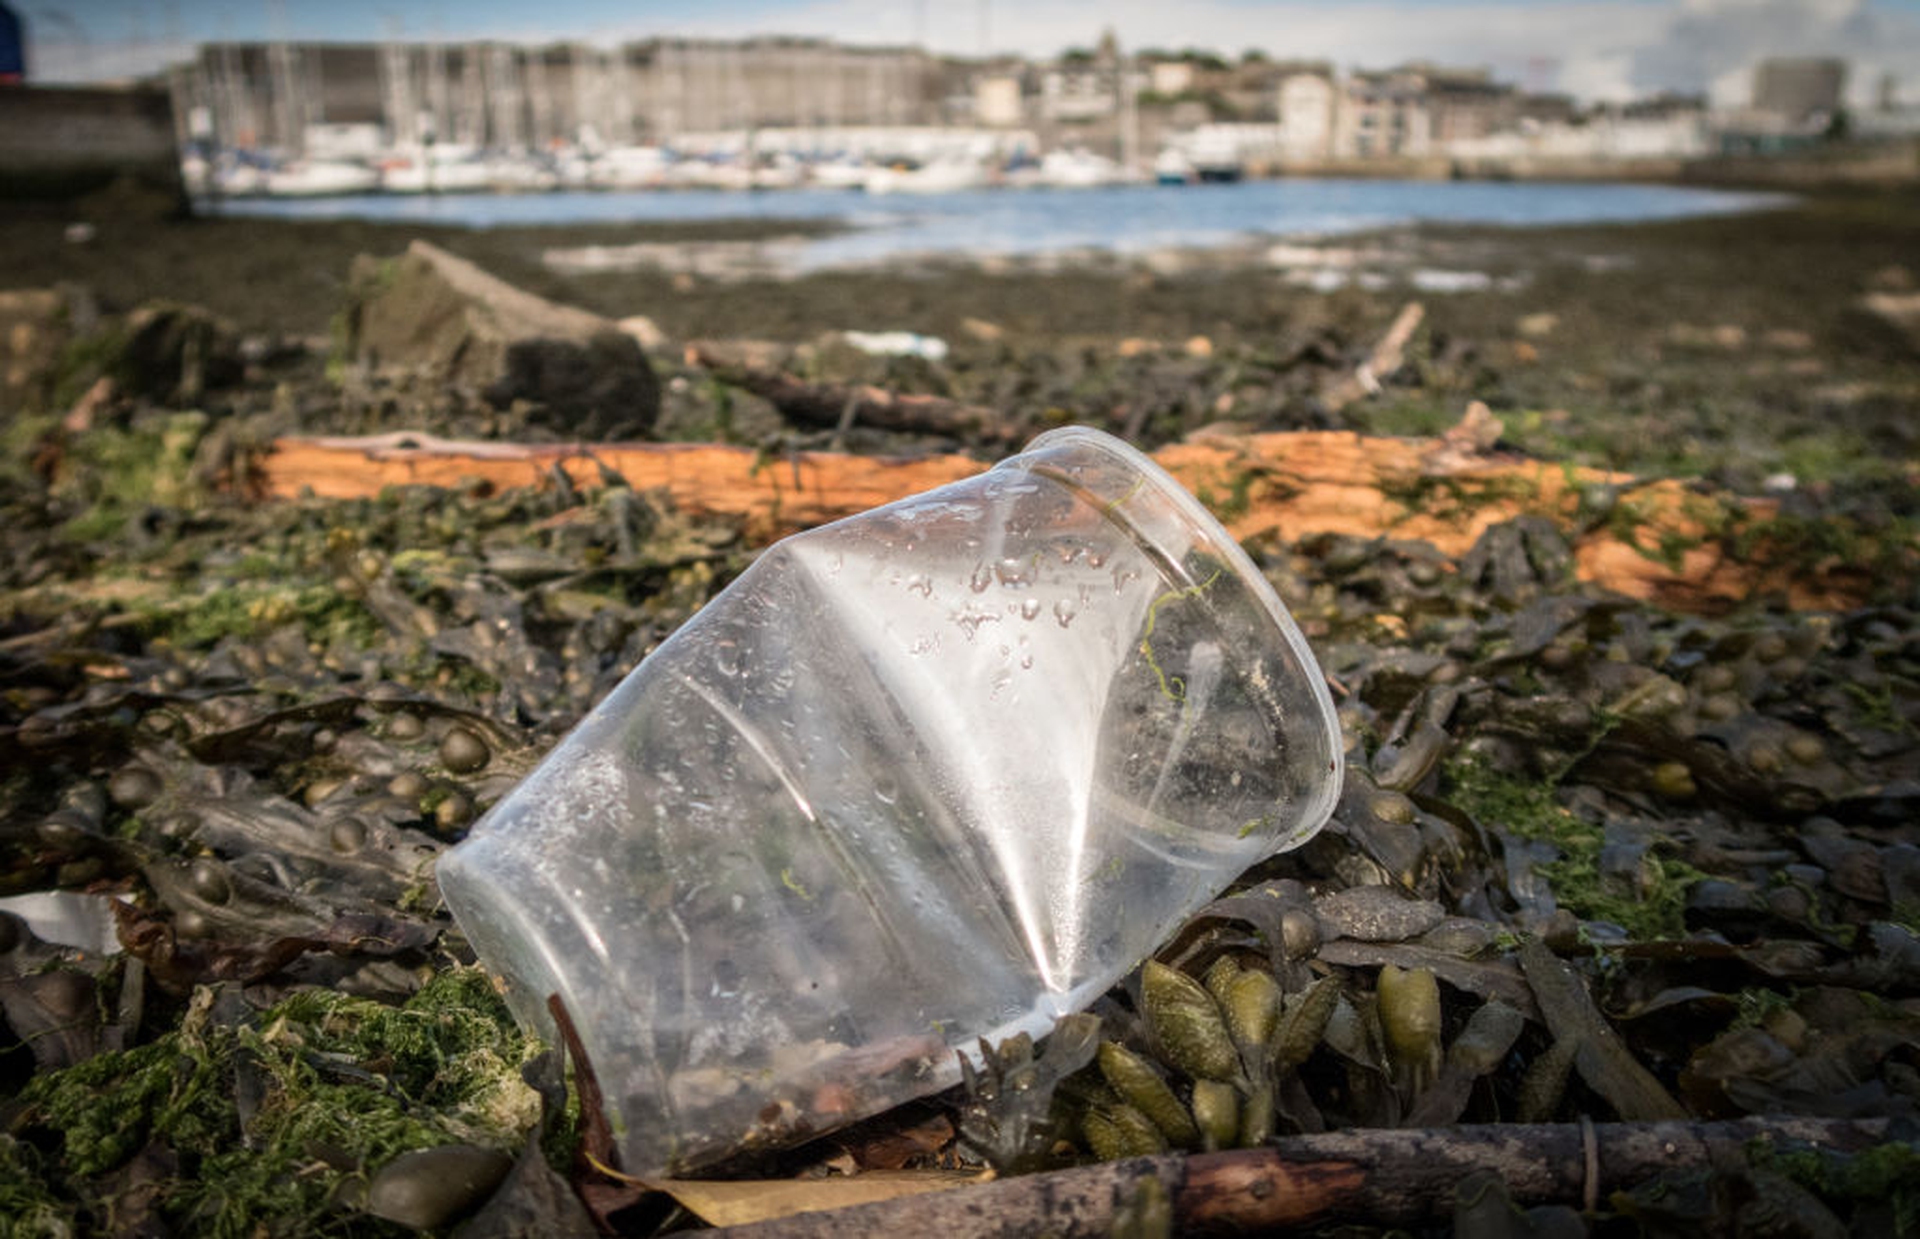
x: 945, y: 769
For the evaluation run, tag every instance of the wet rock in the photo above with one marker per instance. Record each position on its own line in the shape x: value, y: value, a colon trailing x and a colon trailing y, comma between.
x: 1376, y: 914
x: 1716, y: 901
x: 429, y: 1188
x: 432, y: 316
x: 56, y: 1013
x: 177, y: 353
x: 1853, y: 867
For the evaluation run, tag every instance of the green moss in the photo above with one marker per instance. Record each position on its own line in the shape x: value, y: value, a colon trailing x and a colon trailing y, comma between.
x: 1757, y: 1006
x: 1445, y: 497
x: 1808, y: 543
x: 1878, y: 708
x: 1530, y: 810
x: 1657, y: 911
x: 20, y: 437
x: 28, y: 1208
x: 1631, y: 522
x: 110, y: 475
x: 1884, y: 1176
x: 343, y: 1085
x: 1238, y: 501
x: 86, y: 360
x: 325, y: 614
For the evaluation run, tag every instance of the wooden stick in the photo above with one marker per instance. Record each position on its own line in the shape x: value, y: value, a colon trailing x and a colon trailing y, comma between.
x: 838, y: 405
x: 1384, y: 360
x: 1396, y: 1178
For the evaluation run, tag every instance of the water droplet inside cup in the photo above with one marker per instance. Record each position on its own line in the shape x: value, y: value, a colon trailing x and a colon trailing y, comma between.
x: 982, y: 577
x: 1012, y: 574
x: 1064, y: 611
x: 920, y: 584
x: 885, y: 790
x: 970, y: 620
x: 1029, y: 608
x: 726, y: 659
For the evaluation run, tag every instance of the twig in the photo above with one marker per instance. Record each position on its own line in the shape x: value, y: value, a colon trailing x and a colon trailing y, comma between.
x: 1384, y: 360
x: 837, y: 405
x: 1383, y: 1177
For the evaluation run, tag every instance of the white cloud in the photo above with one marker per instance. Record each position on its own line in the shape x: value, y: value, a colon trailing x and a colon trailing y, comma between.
x: 1601, y: 76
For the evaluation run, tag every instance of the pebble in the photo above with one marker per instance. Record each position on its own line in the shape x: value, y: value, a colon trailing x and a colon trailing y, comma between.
x: 429, y: 1188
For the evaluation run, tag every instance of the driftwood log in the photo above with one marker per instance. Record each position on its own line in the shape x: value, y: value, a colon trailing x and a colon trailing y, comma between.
x: 1382, y: 1177
x: 839, y: 406
x: 1652, y: 540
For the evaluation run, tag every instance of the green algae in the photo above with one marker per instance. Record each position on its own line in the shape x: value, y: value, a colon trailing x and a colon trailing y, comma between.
x: 335, y: 1087
x: 1881, y: 1182
x: 1530, y: 810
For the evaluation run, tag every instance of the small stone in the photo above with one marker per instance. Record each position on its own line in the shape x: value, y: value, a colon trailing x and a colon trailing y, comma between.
x: 429, y: 1188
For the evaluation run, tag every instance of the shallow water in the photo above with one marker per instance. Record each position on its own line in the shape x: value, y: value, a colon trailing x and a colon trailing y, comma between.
x: 1119, y: 220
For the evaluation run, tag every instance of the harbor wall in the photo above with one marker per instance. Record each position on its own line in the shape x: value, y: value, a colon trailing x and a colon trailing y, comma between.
x: 58, y: 142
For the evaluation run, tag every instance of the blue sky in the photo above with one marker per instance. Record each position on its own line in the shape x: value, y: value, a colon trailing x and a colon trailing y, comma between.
x: 1593, y: 48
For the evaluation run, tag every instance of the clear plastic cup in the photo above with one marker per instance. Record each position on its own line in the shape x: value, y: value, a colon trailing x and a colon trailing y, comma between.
x: 945, y: 769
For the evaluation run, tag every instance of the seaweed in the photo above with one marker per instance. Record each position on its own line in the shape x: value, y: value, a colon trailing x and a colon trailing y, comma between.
x: 269, y: 1116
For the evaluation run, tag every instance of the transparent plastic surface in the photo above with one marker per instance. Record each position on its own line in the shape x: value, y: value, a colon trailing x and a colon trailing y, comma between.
x: 946, y: 769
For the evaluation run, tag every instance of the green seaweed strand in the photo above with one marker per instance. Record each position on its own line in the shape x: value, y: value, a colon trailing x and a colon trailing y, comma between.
x: 1172, y: 687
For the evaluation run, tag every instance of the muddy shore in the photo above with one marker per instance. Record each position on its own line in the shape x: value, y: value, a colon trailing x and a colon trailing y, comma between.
x: 1593, y: 859
x: 1730, y: 346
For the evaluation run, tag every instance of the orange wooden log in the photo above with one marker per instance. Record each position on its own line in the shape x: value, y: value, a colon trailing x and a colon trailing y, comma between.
x: 770, y: 495
x: 1664, y: 547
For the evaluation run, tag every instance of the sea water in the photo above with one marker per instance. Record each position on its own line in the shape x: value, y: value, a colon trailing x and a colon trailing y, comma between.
x: 985, y: 223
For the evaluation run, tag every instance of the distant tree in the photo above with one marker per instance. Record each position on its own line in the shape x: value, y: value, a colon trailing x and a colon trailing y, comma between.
x: 1202, y: 59
x: 1076, y: 56
x: 1254, y: 56
x: 1839, y: 126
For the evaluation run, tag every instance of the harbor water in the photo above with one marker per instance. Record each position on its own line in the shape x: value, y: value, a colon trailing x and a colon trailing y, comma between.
x: 1118, y: 220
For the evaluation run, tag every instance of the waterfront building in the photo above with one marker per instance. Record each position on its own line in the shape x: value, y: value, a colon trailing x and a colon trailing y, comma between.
x: 1305, y: 107
x: 1799, y: 90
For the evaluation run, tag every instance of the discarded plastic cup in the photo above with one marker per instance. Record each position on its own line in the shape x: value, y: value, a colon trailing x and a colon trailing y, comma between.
x: 946, y: 769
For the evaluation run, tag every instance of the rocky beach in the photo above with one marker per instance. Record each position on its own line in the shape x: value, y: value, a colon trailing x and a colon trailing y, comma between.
x: 1604, y: 536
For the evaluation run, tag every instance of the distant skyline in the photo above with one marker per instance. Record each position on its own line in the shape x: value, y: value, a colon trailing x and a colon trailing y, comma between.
x: 1593, y: 49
